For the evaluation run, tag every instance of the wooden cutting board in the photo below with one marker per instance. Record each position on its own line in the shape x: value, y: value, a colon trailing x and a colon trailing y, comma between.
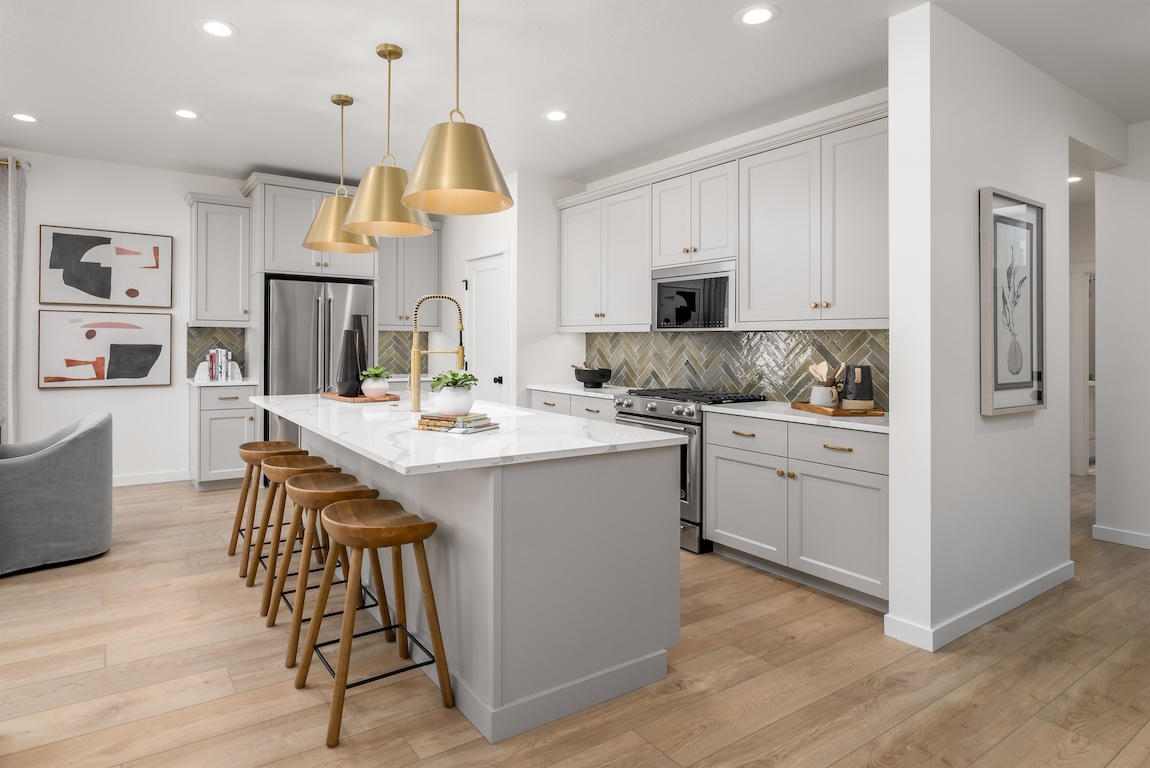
x: 385, y: 399
x: 826, y: 410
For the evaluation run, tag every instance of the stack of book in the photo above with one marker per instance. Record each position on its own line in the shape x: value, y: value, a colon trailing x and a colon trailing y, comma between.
x: 460, y: 425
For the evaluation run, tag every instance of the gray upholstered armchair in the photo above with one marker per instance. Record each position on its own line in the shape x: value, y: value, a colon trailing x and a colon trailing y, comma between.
x: 56, y: 496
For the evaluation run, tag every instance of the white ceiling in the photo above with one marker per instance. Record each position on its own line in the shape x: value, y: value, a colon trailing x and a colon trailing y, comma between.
x: 642, y: 79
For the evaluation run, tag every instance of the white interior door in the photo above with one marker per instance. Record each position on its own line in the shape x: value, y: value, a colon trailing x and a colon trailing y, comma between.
x: 488, y: 328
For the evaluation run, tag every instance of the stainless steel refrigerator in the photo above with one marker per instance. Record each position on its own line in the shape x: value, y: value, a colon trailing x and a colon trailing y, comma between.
x: 304, y: 321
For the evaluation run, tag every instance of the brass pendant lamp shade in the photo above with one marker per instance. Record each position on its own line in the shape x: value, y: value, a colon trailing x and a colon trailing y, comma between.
x: 456, y: 173
x: 327, y: 233
x: 377, y: 209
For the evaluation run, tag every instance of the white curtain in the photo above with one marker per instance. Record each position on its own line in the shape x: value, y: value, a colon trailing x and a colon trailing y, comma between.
x: 11, y: 252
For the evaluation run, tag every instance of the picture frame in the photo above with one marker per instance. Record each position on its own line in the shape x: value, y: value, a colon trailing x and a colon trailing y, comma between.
x: 1012, y: 257
x: 96, y: 267
x: 86, y: 348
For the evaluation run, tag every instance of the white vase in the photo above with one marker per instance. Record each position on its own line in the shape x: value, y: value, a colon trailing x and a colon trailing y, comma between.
x: 454, y: 401
x: 374, y: 387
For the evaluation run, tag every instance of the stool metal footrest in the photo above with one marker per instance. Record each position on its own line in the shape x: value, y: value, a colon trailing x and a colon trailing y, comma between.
x: 430, y: 658
x: 291, y: 609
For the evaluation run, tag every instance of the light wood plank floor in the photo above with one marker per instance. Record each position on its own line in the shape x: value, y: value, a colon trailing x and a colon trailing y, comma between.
x: 154, y: 655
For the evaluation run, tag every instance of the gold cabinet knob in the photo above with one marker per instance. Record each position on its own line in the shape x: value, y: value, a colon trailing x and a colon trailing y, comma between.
x: 826, y: 304
x: 779, y: 472
x: 317, y: 264
x: 245, y: 311
x: 814, y: 305
x: 685, y: 250
x: 791, y: 475
x: 693, y: 249
x: 326, y: 264
x: 251, y: 418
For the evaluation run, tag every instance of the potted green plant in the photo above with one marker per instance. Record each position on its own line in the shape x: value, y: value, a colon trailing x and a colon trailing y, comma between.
x: 453, y: 392
x: 373, y: 381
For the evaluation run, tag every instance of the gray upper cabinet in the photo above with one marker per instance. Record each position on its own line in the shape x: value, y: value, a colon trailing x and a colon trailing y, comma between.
x: 408, y: 269
x: 695, y: 217
x: 221, y: 260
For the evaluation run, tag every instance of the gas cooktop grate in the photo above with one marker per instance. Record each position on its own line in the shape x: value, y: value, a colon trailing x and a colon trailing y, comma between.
x: 698, y: 396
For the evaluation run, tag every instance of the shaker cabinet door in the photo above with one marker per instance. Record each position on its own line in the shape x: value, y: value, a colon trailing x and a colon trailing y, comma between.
x: 746, y: 501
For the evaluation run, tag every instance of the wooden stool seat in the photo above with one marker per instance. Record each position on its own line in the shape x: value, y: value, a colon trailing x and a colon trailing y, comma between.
x: 309, y: 494
x: 355, y: 525
x: 278, y: 470
x: 253, y: 455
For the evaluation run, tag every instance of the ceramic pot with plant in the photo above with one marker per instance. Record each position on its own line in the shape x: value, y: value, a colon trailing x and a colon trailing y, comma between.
x: 373, y: 381
x: 453, y: 395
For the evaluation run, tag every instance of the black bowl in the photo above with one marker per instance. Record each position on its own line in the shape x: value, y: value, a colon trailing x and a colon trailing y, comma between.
x: 592, y: 378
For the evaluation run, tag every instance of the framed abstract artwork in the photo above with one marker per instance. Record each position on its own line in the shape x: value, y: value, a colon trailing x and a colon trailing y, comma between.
x: 97, y: 267
x: 104, y: 349
x: 1012, y: 250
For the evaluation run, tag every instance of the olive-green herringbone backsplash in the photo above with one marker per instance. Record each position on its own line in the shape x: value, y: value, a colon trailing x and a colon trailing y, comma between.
x: 394, y: 351
x: 770, y: 363
x: 200, y: 340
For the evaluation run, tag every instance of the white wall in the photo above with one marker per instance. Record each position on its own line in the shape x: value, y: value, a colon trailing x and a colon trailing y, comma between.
x: 529, y: 234
x: 1082, y: 233
x: 1122, y: 200
x: 150, y: 424
x: 979, y: 505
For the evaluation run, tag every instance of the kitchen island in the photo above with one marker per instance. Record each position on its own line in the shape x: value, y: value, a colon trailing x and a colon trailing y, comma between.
x: 556, y: 560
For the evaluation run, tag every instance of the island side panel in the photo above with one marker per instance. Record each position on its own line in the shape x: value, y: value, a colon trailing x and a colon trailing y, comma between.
x: 589, y: 576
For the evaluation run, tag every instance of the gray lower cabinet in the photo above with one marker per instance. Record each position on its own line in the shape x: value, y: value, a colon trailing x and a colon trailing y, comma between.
x: 222, y: 419
x: 811, y: 498
x: 551, y: 402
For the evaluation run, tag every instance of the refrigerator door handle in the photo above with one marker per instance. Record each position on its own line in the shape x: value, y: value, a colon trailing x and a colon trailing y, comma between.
x: 327, y: 345
x: 318, y: 342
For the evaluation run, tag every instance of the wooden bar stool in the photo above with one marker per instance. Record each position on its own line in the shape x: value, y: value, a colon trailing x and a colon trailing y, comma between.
x: 312, y: 493
x: 253, y: 455
x: 355, y: 526
x: 278, y: 470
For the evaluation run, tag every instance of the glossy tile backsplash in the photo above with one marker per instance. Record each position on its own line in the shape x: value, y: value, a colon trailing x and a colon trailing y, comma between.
x: 200, y: 340
x: 771, y: 363
x: 394, y: 351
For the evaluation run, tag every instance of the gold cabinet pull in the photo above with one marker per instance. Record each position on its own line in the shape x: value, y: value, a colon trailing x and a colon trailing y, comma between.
x: 245, y: 311
x: 742, y: 434
x: 693, y: 249
x: 684, y: 250
x: 326, y: 264
x: 791, y: 475
x: 814, y: 305
x: 550, y: 404
x: 779, y: 472
x: 591, y: 410
x: 228, y: 397
x: 830, y: 447
x: 826, y: 304
x: 251, y: 418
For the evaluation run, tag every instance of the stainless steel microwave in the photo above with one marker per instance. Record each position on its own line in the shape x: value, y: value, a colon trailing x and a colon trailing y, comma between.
x: 693, y: 298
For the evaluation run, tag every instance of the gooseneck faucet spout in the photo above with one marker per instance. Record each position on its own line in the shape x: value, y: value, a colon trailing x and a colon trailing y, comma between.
x: 417, y: 354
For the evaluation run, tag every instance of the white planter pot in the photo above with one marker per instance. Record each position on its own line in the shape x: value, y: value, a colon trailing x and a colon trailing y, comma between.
x: 454, y: 401
x: 374, y: 387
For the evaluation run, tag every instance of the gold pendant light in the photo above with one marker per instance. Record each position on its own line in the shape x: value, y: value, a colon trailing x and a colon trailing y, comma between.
x: 456, y: 173
x: 327, y: 232
x: 377, y: 209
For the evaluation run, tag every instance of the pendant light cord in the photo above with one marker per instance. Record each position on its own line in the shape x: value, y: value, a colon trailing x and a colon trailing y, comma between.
x: 388, y: 152
x: 341, y: 186
x: 457, y: 58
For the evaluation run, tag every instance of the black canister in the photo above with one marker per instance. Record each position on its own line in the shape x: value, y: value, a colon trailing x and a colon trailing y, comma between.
x: 856, y: 389
x: 351, y: 363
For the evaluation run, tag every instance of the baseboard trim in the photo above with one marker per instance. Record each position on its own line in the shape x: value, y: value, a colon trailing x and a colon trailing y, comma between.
x: 1120, y: 536
x: 150, y: 478
x: 931, y: 639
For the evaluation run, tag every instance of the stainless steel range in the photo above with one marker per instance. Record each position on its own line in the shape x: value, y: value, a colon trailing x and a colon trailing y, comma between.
x: 680, y: 411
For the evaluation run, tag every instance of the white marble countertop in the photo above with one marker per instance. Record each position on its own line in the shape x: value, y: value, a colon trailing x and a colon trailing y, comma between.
x: 385, y: 433
x: 605, y: 392
x: 784, y: 412
x: 224, y: 383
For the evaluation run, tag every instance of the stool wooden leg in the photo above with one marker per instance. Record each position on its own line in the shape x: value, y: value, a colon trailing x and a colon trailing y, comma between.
x: 381, y: 595
x: 284, y: 566
x: 339, y: 689
x: 239, y: 521
x: 301, y: 588
x: 400, y: 601
x: 316, y: 620
x: 261, y: 537
x: 433, y: 625
x: 323, y: 543
x: 251, y: 521
x: 273, y: 550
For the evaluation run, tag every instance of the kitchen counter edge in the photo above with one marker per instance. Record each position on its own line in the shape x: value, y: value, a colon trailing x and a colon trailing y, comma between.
x: 784, y: 412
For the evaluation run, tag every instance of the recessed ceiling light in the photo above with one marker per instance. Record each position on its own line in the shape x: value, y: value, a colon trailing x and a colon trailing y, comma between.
x: 1073, y: 179
x: 217, y: 28
x: 187, y: 114
x: 23, y: 118
x: 757, y: 14
x: 555, y: 115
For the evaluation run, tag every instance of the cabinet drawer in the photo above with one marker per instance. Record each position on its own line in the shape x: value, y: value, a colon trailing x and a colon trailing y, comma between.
x: 747, y: 433
x: 847, y: 448
x: 551, y: 402
x: 596, y: 408
x: 218, y: 398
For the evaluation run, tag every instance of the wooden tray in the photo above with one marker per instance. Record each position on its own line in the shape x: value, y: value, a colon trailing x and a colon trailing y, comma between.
x: 386, y: 398
x: 826, y: 410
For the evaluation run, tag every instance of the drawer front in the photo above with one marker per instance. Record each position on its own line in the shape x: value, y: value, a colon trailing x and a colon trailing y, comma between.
x: 220, y: 398
x: 596, y: 408
x: 846, y: 448
x: 747, y: 433
x: 551, y: 402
